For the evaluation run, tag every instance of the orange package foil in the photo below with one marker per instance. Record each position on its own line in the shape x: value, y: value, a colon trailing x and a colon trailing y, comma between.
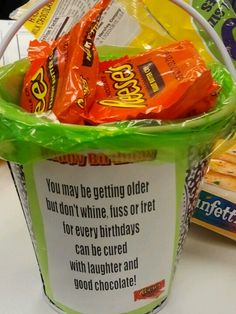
x: 63, y: 73
x: 166, y: 83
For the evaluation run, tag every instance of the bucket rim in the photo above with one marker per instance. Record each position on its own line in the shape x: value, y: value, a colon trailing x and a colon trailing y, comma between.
x: 206, y: 120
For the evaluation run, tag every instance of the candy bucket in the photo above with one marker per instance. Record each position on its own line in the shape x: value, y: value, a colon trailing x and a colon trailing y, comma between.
x: 108, y: 207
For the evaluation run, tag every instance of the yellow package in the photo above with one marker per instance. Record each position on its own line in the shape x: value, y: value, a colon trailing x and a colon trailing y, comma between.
x: 151, y: 23
x: 180, y: 25
x: 57, y: 18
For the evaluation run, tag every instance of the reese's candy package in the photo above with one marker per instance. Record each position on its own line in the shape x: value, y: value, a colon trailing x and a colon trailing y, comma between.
x: 150, y: 292
x: 165, y: 83
x: 63, y: 73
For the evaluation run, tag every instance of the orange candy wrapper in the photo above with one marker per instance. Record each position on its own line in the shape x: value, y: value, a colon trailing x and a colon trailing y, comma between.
x: 165, y: 83
x: 150, y: 292
x: 63, y: 74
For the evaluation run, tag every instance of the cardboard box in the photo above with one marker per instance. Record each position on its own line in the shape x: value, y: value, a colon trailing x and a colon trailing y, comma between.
x: 216, y: 207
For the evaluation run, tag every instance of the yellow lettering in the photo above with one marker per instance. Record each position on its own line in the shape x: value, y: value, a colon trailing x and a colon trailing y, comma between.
x: 121, y: 68
x: 150, y: 77
x: 128, y: 91
x: 88, y: 54
x: 155, y: 87
x: 122, y: 76
x: 135, y: 99
x: 146, y: 69
x: 121, y: 103
x: 39, y: 90
x: 121, y: 86
x: 131, y: 89
x: 40, y: 107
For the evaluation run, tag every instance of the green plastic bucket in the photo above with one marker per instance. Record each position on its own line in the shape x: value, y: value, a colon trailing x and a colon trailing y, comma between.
x: 108, y: 207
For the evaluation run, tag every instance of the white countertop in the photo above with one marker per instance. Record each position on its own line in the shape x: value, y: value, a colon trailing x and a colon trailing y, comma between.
x: 205, y: 282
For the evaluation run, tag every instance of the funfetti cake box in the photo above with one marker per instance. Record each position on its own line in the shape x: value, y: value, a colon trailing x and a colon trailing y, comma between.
x: 216, y: 207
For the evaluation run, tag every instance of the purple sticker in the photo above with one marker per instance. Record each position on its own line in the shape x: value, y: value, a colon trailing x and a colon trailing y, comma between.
x: 228, y: 36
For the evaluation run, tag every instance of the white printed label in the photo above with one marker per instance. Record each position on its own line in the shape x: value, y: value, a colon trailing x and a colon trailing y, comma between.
x: 110, y: 233
x: 114, y: 25
x: 112, y: 30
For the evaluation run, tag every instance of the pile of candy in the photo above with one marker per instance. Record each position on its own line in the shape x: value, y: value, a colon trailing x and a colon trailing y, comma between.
x: 67, y: 78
